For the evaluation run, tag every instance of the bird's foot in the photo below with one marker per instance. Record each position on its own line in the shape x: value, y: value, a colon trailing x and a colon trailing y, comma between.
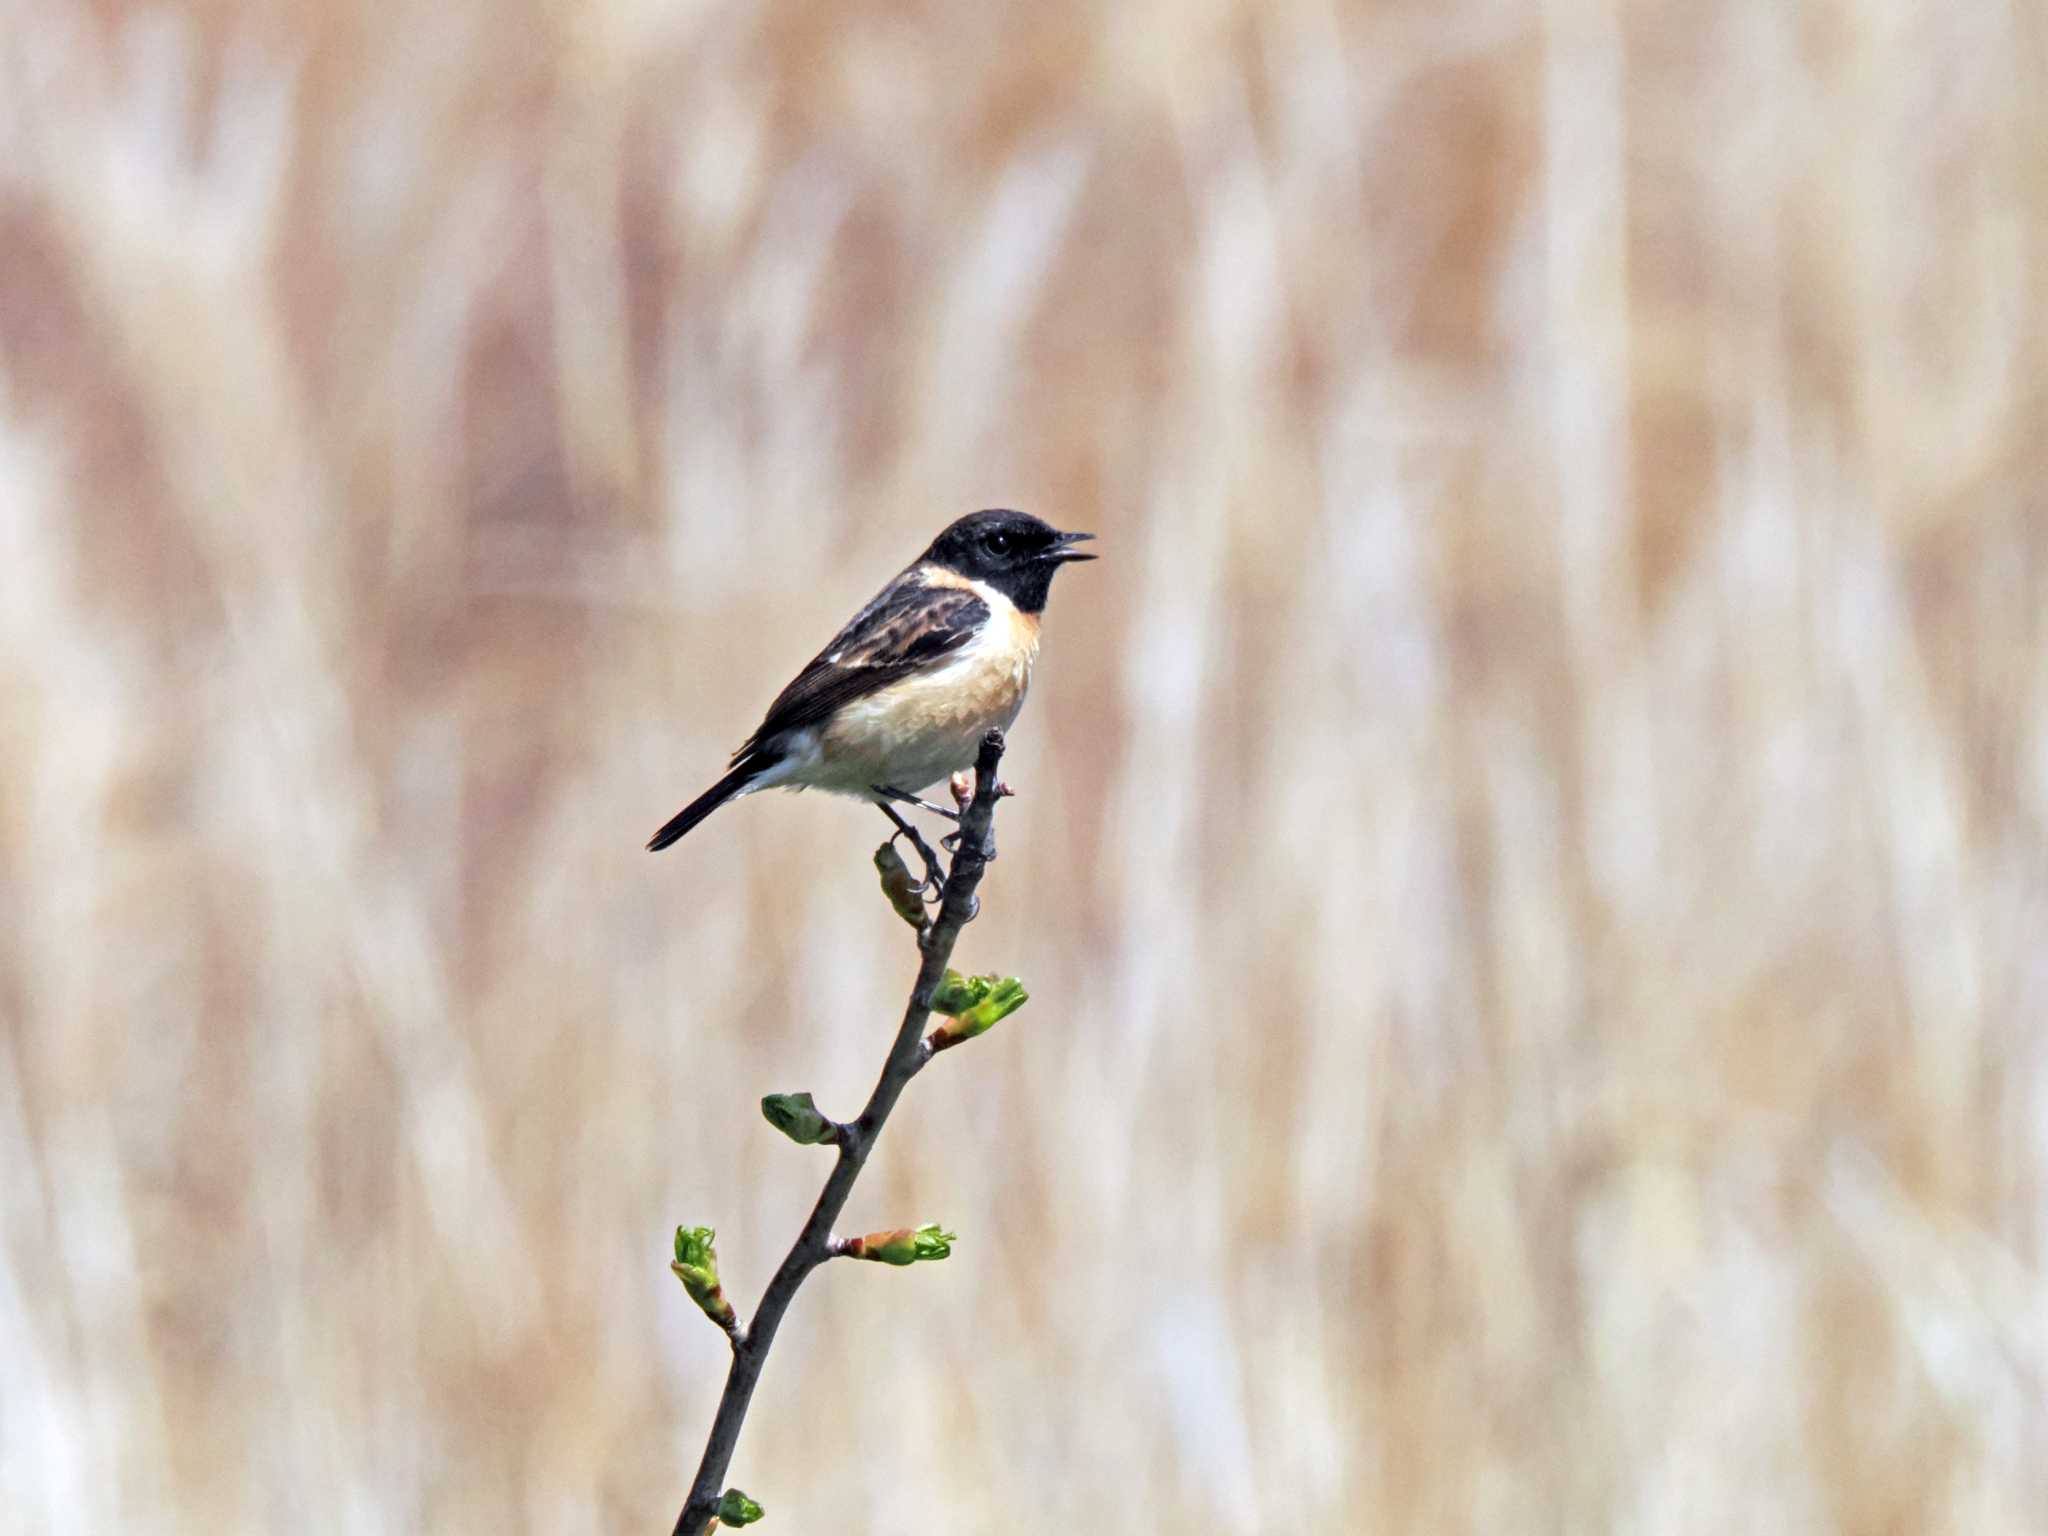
x: 932, y: 887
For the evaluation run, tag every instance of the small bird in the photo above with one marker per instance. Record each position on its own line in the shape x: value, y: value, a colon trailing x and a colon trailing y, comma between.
x: 903, y: 695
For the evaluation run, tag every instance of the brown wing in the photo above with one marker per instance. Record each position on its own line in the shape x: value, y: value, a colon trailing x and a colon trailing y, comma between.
x: 907, y: 627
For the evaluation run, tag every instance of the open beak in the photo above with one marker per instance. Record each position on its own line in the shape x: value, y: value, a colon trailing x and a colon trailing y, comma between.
x: 1064, y: 550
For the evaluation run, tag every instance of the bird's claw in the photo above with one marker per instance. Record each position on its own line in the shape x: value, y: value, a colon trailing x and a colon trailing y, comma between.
x: 951, y: 843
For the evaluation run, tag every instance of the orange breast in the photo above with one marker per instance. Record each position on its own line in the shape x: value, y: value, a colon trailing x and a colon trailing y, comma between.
x: 930, y: 725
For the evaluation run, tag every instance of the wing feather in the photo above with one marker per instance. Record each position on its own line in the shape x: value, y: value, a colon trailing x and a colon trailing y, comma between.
x: 909, y: 626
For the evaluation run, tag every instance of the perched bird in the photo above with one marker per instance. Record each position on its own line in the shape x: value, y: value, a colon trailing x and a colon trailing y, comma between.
x: 903, y: 695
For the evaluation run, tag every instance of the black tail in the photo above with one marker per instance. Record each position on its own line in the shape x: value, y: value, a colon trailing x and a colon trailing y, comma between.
x: 703, y: 805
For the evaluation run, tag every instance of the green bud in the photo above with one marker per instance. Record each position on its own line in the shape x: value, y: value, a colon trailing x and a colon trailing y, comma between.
x: 696, y: 1265
x: 694, y: 1249
x: 900, y: 885
x: 955, y: 994
x: 984, y: 1002
x: 736, y: 1509
x: 1002, y: 999
x: 798, y: 1118
x: 903, y: 1245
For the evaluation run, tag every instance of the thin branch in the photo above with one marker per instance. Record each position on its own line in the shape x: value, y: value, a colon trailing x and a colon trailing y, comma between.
x: 907, y: 1054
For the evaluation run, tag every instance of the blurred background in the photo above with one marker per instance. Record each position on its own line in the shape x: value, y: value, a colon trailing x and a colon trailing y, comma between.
x: 1530, y: 848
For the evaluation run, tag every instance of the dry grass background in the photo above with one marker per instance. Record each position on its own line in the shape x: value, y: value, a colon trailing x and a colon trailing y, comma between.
x: 1531, y: 856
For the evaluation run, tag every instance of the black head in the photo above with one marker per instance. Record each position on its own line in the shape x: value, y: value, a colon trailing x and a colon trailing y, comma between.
x: 1012, y: 551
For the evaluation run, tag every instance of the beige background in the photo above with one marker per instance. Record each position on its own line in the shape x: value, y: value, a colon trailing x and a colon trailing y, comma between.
x: 1530, y: 860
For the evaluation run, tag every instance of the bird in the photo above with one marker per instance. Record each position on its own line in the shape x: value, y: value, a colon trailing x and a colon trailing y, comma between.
x: 902, y: 696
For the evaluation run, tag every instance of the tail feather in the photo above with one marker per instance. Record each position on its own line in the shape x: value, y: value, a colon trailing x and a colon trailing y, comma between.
x: 732, y: 784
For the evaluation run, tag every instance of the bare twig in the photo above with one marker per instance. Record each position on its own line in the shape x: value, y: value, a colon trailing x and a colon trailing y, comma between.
x: 907, y: 1054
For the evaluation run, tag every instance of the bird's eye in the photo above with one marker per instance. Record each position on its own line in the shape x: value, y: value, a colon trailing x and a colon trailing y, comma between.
x: 997, y: 543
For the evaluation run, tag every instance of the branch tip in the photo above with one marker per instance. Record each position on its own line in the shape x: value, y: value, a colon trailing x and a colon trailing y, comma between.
x: 696, y: 1265
x: 904, y: 890
x: 797, y: 1116
x: 736, y: 1509
x: 974, y: 1005
x: 899, y: 1245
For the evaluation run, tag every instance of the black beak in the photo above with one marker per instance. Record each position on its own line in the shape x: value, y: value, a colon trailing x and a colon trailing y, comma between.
x: 1063, y: 548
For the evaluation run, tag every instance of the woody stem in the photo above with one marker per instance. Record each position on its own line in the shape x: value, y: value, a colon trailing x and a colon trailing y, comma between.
x: 977, y: 847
